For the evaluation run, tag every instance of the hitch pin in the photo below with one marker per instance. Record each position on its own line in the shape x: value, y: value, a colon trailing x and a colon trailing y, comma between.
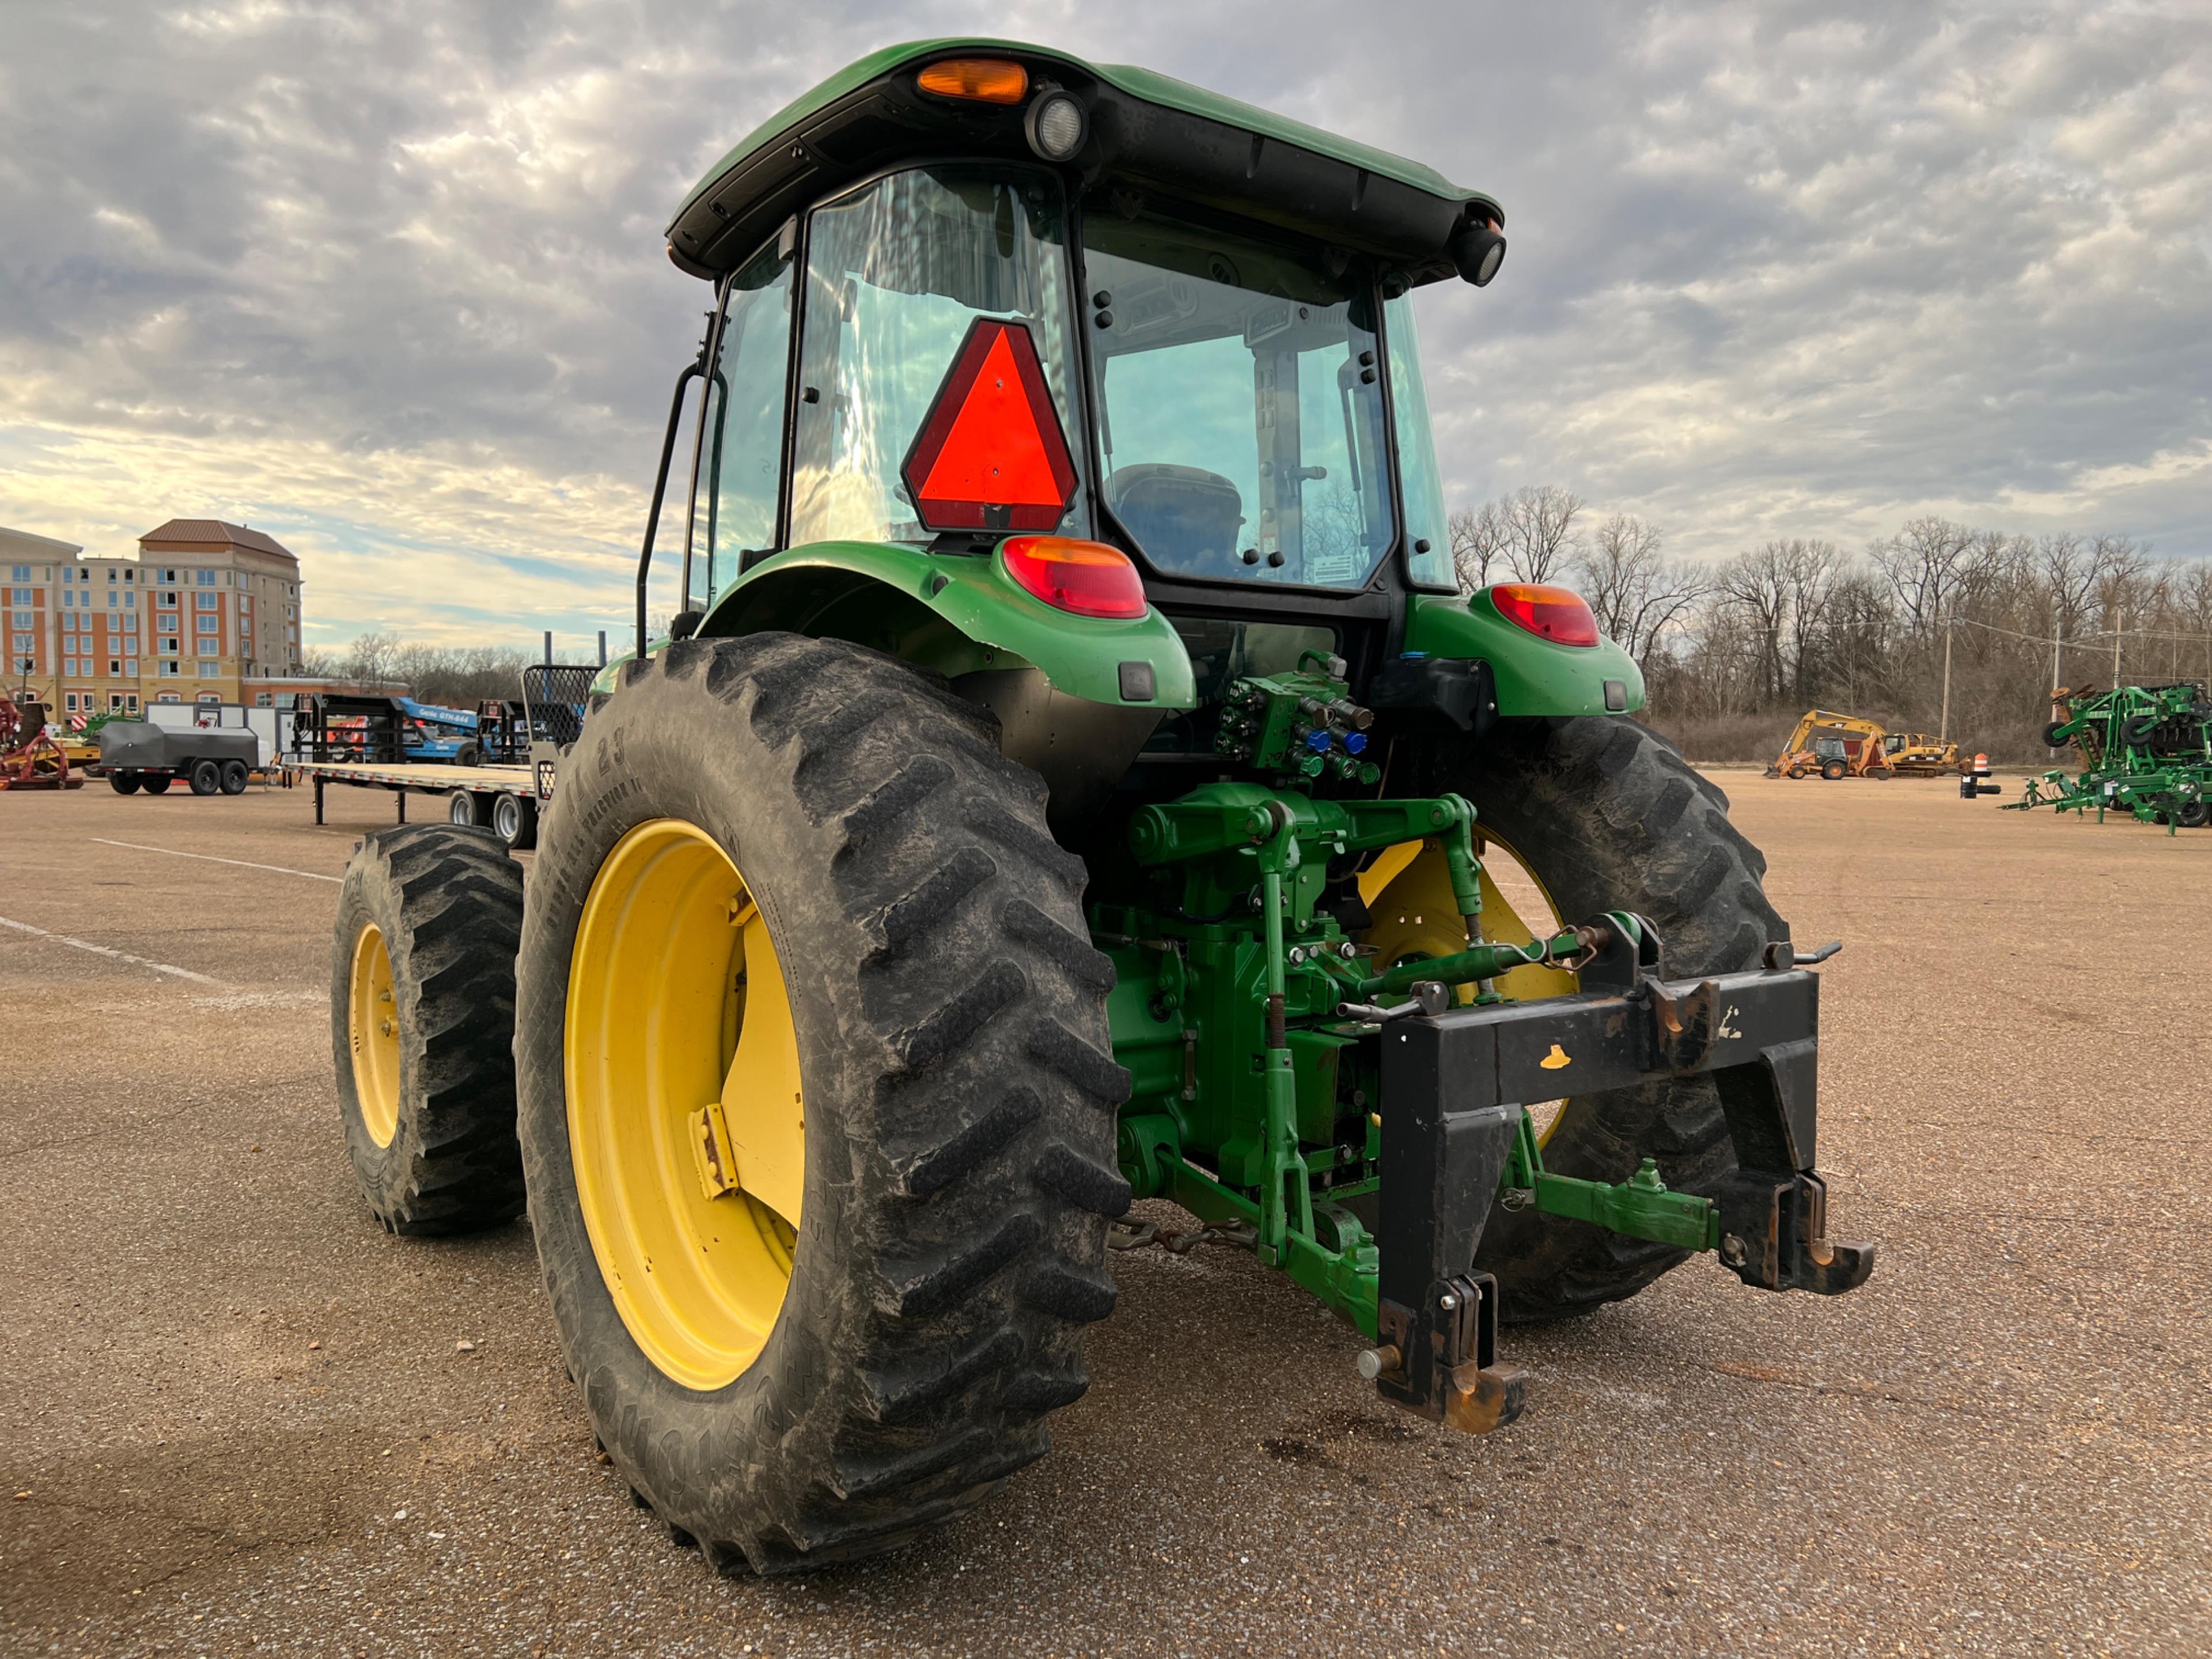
x: 1782, y: 954
x: 1428, y: 997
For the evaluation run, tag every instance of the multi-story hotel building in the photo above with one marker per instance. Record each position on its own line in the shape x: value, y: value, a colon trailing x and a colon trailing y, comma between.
x: 207, y: 613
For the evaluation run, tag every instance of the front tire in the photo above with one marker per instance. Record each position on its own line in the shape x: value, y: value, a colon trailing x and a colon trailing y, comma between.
x: 1606, y: 815
x: 205, y: 778
x: 847, y: 823
x: 422, y: 1027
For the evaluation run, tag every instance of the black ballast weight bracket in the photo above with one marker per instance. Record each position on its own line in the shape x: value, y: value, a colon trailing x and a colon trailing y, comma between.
x: 1458, y: 1081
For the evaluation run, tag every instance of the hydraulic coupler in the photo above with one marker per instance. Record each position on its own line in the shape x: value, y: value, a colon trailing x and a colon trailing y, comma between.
x: 1457, y: 1082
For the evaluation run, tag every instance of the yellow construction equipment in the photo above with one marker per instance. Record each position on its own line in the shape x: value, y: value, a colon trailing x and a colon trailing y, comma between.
x: 1844, y: 746
x: 1834, y: 746
x: 1917, y: 755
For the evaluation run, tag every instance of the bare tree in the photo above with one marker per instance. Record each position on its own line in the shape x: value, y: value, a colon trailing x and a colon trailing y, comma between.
x: 371, y: 656
x: 1539, y: 531
x: 1478, y: 541
x: 1637, y: 592
x: 1922, y: 562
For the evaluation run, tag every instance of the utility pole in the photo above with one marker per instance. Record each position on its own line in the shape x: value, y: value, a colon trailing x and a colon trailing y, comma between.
x: 1943, y: 726
x: 2055, y: 683
x: 2116, y: 659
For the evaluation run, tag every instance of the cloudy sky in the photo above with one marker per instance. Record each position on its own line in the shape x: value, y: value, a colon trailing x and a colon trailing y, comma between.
x: 388, y: 280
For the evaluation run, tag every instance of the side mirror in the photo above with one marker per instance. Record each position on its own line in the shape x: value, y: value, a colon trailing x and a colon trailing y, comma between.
x: 1478, y: 252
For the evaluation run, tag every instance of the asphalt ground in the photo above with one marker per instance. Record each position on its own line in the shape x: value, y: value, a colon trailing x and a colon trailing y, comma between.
x: 236, y: 1417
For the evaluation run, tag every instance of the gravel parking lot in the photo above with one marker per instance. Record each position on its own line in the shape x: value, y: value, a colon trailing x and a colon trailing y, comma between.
x: 240, y: 1418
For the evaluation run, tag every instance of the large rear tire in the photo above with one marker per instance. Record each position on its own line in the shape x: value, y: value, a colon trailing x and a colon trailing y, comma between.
x: 1606, y: 815
x: 422, y: 1027
x: 889, y: 904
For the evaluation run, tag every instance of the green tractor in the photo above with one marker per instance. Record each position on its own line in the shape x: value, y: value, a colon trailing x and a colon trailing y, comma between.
x: 1072, y: 777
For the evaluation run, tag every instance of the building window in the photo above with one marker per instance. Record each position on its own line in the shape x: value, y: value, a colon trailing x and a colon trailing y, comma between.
x: 205, y: 601
x: 21, y: 573
x: 166, y: 601
x: 208, y: 624
x: 169, y: 672
x: 114, y: 668
x: 130, y: 575
x: 168, y: 647
x: 204, y: 578
x: 168, y: 697
x: 209, y: 670
x: 114, y: 700
x: 262, y: 699
x: 69, y: 702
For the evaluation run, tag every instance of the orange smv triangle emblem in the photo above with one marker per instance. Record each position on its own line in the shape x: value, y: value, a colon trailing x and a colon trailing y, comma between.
x: 992, y: 455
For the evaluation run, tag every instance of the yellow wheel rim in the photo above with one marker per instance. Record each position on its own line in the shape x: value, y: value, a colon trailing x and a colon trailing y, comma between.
x: 372, y: 1025
x: 1407, y: 890
x: 686, y: 1117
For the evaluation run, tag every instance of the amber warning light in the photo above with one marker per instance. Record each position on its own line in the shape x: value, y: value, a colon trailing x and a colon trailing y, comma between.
x: 985, y: 80
x: 992, y: 455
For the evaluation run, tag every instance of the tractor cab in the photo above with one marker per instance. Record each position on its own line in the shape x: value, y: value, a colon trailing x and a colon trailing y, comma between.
x: 998, y: 333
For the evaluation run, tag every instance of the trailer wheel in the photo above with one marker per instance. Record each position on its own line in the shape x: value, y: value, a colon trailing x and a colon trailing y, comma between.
x: 123, y: 783
x: 470, y: 808
x: 809, y: 1020
x: 422, y: 1027
x: 2052, y: 738
x: 205, y: 777
x: 2139, y: 731
x: 2193, y: 814
x: 514, y: 821
x: 234, y: 777
x: 1606, y: 815
x: 156, y: 785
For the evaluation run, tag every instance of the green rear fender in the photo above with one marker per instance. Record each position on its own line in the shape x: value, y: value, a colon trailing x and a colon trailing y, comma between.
x: 1533, y: 676
x: 956, y: 613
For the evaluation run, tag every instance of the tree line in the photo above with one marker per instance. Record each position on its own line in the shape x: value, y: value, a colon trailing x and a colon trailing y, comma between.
x: 453, y: 676
x: 1734, y: 651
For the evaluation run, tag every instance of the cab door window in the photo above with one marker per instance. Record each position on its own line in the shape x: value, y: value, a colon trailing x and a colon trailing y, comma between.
x: 740, y: 439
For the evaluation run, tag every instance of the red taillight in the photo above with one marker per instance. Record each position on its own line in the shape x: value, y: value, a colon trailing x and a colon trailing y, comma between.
x: 1088, y: 578
x: 1558, y: 614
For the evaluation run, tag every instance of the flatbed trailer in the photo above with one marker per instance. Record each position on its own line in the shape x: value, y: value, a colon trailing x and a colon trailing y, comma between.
x: 505, y: 799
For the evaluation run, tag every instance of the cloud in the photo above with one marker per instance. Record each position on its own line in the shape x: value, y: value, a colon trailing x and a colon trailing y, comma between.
x: 389, y: 281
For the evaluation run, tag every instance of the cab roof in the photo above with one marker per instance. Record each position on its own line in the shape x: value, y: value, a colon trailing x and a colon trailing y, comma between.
x: 1146, y: 130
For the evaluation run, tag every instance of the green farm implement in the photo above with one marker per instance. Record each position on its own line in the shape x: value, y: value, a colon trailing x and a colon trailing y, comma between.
x: 1072, y: 781
x: 2146, y: 750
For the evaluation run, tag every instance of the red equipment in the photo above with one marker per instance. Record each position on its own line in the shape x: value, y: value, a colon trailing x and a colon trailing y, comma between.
x: 29, y: 759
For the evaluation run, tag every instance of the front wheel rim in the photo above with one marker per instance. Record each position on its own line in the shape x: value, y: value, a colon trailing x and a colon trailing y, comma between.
x: 373, y: 1028
x: 685, y: 1107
